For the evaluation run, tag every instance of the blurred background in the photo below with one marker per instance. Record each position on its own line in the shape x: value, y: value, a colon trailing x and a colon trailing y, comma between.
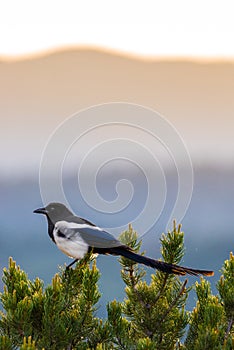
x: 176, y: 61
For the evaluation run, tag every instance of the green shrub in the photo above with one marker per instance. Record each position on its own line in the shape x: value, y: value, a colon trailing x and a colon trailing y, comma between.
x: 152, y: 316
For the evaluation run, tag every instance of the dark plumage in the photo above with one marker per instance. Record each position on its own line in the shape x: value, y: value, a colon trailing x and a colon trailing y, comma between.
x: 76, y: 237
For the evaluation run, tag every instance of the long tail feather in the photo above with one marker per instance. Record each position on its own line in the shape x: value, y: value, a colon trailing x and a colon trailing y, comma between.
x: 159, y: 265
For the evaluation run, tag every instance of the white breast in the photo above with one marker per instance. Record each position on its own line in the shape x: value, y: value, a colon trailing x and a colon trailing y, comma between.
x: 75, y: 248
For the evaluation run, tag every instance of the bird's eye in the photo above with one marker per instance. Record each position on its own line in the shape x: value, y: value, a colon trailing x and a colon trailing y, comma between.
x: 52, y: 208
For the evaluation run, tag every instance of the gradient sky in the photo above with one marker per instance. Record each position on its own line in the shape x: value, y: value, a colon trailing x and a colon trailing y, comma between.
x: 156, y: 28
x: 188, y: 79
x: 38, y: 94
x: 196, y: 99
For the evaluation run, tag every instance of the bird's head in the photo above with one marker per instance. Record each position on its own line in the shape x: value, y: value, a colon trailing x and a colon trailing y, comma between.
x: 54, y: 211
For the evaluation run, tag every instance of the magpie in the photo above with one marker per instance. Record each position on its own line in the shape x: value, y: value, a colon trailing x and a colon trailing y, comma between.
x: 76, y: 237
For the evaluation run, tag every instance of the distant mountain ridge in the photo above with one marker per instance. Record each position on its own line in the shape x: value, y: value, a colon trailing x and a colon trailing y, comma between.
x: 37, y: 94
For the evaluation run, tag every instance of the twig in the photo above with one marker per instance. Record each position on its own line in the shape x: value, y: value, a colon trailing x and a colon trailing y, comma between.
x: 230, y: 323
x: 162, y: 288
x: 133, y: 285
x: 174, y: 301
x: 131, y: 270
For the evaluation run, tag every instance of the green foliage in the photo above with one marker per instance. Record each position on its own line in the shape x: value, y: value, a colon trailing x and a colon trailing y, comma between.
x: 226, y: 288
x: 59, y: 316
x: 28, y: 344
x: 211, y: 322
x: 156, y: 310
x: 131, y: 272
x: 152, y: 316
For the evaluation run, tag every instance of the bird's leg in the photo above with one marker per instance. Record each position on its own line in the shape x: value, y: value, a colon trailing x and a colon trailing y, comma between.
x: 72, y: 263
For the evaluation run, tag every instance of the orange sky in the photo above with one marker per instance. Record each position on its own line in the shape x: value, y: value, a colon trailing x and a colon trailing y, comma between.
x: 40, y: 93
x: 173, y: 56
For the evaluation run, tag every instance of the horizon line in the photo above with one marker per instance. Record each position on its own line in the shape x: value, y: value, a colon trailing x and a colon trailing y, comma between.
x: 40, y: 53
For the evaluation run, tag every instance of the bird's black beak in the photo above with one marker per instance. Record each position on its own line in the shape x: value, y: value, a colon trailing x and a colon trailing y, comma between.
x: 40, y: 211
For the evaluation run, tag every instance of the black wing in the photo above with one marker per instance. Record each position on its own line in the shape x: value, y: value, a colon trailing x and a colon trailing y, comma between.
x: 91, y: 234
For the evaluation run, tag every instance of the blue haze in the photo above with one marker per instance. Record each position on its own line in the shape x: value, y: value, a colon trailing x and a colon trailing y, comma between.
x: 208, y: 226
